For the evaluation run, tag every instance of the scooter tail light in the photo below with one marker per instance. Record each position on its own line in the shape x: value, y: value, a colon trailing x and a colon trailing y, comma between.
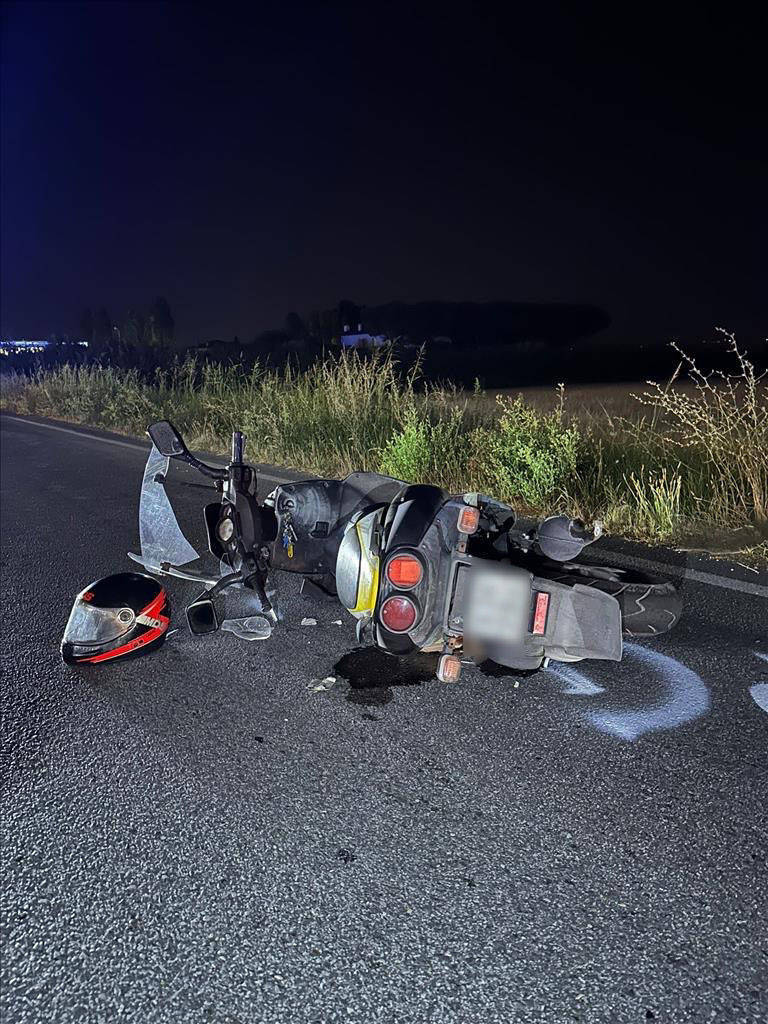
x: 398, y: 614
x: 449, y: 668
x: 404, y: 571
x: 469, y: 519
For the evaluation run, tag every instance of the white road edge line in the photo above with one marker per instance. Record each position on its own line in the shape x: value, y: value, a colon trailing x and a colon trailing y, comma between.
x: 135, y: 446
x: 744, y: 586
x: 695, y: 575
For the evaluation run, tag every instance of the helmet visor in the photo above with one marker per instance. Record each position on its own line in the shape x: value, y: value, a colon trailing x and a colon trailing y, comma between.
x: 88, y: 626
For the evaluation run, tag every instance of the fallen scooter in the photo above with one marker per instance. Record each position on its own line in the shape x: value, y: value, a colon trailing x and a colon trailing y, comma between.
x: 419, y: 569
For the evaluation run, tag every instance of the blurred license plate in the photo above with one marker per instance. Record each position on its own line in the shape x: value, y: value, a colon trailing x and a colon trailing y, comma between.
x: 497, y: 603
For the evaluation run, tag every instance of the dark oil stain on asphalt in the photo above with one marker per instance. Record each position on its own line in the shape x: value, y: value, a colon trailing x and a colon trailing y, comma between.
x: 496, y: 671
x: 372, y: 672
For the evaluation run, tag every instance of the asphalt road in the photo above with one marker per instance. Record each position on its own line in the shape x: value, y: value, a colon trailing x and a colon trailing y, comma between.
x: 198, y: 836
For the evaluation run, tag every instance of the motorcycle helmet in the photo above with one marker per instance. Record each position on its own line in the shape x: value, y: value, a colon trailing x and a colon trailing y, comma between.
x: 127, y: 613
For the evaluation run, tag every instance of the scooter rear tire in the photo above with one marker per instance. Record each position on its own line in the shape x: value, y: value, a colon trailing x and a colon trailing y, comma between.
x: 649, y: 605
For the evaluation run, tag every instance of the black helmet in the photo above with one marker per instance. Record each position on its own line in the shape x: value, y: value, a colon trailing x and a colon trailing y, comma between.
x: 127, y: 613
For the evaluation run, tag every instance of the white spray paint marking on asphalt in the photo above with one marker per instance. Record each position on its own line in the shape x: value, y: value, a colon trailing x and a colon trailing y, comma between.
x: 759, y: 692
x: 577, y: 684
x: 686, y: 696
x: 744, y: 586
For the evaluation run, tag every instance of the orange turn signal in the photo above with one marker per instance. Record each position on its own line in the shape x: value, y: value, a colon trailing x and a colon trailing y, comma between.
x: 469, y: 519
x: 448, y: 668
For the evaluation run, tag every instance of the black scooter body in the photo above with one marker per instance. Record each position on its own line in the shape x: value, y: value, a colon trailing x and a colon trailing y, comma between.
x: 311, y: 516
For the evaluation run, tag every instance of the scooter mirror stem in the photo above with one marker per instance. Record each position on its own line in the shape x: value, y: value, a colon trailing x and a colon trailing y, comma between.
x: 203, y: 467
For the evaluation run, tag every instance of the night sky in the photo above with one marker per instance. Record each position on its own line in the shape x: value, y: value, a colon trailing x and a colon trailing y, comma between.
x: 249, y: 161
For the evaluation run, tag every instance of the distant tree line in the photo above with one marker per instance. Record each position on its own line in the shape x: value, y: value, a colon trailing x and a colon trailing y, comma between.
x: 147, y: 338
x: 499, y: 344
x: 306, y: 339
x: 142, y: 339
x: 464, y: 324
x: 117, y: 341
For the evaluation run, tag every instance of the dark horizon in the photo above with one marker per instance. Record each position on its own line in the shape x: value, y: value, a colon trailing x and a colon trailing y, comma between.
x: 245, y: 163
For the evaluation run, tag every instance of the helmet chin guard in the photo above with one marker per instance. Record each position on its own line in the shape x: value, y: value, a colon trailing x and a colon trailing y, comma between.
x: 120, y: 615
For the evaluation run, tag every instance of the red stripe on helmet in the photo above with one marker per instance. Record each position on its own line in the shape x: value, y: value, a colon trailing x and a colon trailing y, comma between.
x: 155, y: 605
x: 133, y: 645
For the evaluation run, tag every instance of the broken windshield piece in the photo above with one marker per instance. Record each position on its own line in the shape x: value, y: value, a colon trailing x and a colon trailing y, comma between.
x: 254, y: 627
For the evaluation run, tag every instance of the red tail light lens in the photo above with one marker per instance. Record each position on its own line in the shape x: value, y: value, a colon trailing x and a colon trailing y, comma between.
x: 398, y: 614
x: 405, y: 571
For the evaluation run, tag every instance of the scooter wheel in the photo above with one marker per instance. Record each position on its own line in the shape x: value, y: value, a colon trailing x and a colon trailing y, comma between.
x: 649, y: 605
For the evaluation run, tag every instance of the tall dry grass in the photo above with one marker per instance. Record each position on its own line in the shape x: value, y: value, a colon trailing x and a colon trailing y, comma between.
x: 723, y: 424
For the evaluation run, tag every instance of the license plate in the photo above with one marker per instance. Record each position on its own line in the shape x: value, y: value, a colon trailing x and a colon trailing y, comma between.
x: 497, y: 603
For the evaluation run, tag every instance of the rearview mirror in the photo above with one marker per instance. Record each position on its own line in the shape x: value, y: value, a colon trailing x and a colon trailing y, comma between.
x: 167, y: 439
x: 201, y: 615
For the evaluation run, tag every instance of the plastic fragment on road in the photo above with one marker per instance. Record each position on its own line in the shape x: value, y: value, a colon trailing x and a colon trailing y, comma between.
x: 253, y: 627
x: 309, y: 622
x: 320, y: 685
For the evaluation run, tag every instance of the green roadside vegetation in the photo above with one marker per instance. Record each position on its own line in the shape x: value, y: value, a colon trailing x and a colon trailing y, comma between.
x: 688, y: 468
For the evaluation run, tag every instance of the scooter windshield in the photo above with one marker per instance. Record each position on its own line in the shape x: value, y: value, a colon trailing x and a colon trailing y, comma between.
x: 159, y: 531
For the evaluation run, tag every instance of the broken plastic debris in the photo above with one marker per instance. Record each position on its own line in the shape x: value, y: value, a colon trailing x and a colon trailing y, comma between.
x: 318, y: 685
x: 309, y: 622
x: 337, y: 622
x: 253, y: 627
